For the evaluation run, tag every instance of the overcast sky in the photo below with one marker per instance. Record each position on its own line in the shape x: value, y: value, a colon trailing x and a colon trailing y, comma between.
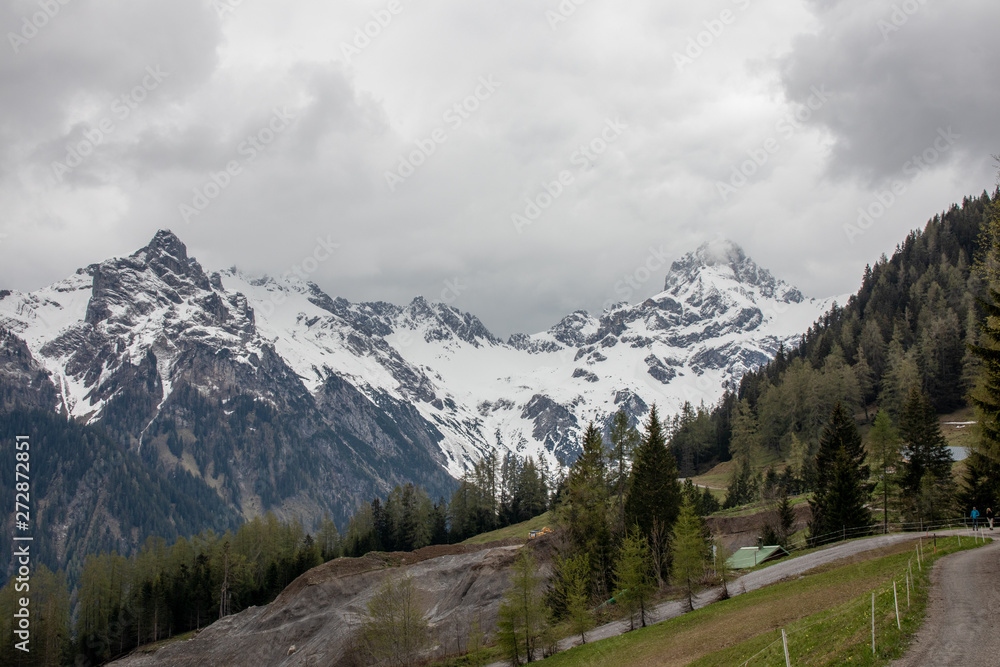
x: 261, y: 132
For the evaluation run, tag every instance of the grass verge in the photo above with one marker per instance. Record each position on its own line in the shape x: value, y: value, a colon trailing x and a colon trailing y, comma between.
x: 516, y: 530
x: 826, y: 613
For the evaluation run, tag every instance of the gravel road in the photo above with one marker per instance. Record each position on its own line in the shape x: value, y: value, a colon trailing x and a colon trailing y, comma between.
x: 961, y: 624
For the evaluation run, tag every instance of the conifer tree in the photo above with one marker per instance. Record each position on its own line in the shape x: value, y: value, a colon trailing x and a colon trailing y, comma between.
x: 576, y: 576
x: 926, y: 479
x: 633, y: 583
x: 523, y: 619
x: 624, y: 440
x: 886, y: 461
x: 584, y: 508
x: 690, y: 551
x: 983, y: 470
x: 841, y: 492
x: 779, y: 528
x: 721, y: 557
x: 654, y: 492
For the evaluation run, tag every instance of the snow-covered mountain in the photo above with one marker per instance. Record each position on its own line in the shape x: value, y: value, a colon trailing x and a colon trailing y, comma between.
x: 370, y: 394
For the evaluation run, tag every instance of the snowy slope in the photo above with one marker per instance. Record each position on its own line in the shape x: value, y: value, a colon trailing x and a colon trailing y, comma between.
x: 718, y: 316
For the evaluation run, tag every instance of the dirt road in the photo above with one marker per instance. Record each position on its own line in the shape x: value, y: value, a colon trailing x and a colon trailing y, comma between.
x: 961, y: 624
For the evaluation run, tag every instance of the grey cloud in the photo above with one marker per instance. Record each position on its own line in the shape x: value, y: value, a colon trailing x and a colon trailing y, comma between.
x: 896, y: 78
x: 86, y: 56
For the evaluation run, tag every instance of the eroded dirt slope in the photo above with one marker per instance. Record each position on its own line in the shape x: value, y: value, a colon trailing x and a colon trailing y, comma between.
x: 320, y: 612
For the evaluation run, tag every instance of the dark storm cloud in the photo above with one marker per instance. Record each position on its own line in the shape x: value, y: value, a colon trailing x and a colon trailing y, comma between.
x: 898, y: 73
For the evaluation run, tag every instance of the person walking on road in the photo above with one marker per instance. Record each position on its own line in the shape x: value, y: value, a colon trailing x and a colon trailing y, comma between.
x: 975, y: 518
x: 989, y: 516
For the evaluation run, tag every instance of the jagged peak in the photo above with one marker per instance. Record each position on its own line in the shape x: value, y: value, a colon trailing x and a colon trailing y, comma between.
x: 164, y: 242
x: 728, y: 256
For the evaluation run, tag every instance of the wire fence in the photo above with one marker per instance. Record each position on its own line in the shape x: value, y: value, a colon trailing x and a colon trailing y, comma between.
x: 880, y: 614
x: 884, y: 529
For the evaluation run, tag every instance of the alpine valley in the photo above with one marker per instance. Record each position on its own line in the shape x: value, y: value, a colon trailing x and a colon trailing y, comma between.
x: 255, y: 394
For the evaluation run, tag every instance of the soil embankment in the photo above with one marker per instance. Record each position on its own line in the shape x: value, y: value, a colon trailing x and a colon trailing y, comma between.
x: 315, y: 619
x: 743, y: 531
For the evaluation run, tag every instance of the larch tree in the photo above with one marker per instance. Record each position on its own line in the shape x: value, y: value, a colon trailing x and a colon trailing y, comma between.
x: 575, y: 572
x: 523, y: 618
x: 886, y: 461
x: 395, y: 630
x: 690, y: 552
x: 633, y: 583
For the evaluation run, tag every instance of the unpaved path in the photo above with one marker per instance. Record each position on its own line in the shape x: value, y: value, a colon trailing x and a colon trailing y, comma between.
x: 961, y: 624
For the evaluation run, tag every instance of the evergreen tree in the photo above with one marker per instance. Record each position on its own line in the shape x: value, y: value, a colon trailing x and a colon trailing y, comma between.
x: 654, y: 492
x: 584, y: 507
x: 927, y: 455
x: 624, y: 440
x: 778, y: 530
x: 982, y: 478
x: 743, y: 486
x: 841, y: 492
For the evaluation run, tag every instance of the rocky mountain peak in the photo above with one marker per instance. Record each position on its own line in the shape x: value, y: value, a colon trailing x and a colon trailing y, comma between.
x: 165, y: 242
x: 726, y: 260
x: 167, y: 256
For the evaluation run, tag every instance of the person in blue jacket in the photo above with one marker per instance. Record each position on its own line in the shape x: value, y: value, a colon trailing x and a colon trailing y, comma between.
x: 975, y: 518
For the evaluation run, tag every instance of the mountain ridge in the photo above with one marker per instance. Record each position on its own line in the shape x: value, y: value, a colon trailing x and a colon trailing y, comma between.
x: 352, y: 387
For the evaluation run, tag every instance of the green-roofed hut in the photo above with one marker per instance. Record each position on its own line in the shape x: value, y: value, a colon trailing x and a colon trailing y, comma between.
x: 747, y: 557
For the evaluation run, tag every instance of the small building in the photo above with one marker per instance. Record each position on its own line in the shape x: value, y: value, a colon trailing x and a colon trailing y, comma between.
x: 747, y: 557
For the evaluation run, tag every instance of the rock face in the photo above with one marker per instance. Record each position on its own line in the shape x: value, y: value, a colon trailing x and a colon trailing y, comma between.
x: 278, y: 396
x: 320, y: 613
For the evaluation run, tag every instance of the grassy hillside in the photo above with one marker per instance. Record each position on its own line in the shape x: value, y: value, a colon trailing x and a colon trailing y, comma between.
x: 823, y: 613
x: 516, y: 530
